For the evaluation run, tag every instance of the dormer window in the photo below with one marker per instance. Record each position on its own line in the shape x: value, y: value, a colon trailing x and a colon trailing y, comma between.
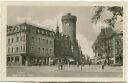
x: 42, y: 31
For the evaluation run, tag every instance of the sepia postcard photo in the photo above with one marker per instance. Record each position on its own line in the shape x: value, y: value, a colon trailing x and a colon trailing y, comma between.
x: 63, y: 39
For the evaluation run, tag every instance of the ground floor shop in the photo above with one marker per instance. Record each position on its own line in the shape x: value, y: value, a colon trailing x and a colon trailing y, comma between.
x: 28, y: 60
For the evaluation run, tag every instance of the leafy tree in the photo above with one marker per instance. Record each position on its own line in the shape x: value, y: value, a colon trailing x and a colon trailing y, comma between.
x: 101, y: 44
x: 116, y: 11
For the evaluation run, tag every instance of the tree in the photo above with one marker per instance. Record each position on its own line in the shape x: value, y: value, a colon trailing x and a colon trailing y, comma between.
x: 101, y: 44
x: 116, y: 11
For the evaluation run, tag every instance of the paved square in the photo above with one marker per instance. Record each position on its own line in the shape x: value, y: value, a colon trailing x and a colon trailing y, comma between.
x: 72, y: 71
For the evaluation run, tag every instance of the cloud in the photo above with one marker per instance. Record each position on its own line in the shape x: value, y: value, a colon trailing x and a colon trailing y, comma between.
x: 85, y: 45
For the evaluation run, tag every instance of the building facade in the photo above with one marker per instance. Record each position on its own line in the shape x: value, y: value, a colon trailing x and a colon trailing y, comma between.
x: 29, y: 45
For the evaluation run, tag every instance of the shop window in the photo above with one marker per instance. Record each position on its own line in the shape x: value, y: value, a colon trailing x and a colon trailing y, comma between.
x: 8, y: 59
x: 12, y: 59
x: 17, y: 59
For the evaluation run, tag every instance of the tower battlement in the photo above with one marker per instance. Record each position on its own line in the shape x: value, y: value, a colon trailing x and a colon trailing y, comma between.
x: 69, y: 18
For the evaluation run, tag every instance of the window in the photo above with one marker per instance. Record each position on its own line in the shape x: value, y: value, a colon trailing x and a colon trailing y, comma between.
x: 8, y: 40
x: 17, y: 39
x: 13, y: 29
x: 39, y: 49
x: 21, y: 38
x: 43, y: 40
x: 8, y: 59
x: 51, y: 42
x: 24, y: 38
x: 21, y: 48
x: 46, y: 50
x: 8, y: 50
x: 12, y: 49
x: 39, y: 39
x: 17, y: 49
x: 42, y: 31
x: 47, y: 41
x: 32, y: 48
x: 50, y: 51
x: 38, y: 30
x: 32, y: 39
x: 12, y: 40
x: 43, y: 50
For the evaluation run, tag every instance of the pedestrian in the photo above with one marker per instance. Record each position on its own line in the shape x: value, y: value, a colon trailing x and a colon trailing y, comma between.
x: 77, y: 64
x: 81, y: 66
x: 103, y: 64
x: 58, y: 65
x: 61, y: 65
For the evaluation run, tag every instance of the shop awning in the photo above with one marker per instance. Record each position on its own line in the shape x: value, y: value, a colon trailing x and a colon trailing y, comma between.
x: 70, y: 59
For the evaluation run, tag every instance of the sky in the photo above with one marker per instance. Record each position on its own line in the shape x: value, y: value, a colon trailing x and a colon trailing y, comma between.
x: 47, y: 17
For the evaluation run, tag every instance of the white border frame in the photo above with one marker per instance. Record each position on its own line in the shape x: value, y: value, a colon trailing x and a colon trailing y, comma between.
x: 59, y: 3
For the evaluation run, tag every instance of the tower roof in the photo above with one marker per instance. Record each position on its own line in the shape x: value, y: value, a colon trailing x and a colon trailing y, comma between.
x: 69, y: 16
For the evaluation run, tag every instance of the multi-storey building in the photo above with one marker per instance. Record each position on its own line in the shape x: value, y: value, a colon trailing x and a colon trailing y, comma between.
x: 29, y: 45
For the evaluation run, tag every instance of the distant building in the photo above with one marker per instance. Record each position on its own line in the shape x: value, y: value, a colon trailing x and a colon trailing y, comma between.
x: 108, y: 45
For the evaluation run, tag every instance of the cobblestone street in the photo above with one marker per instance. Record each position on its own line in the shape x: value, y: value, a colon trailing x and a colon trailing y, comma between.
x: 72, y: 71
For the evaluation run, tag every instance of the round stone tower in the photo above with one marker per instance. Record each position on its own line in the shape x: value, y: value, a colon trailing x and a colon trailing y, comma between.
x: 69, y: 26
